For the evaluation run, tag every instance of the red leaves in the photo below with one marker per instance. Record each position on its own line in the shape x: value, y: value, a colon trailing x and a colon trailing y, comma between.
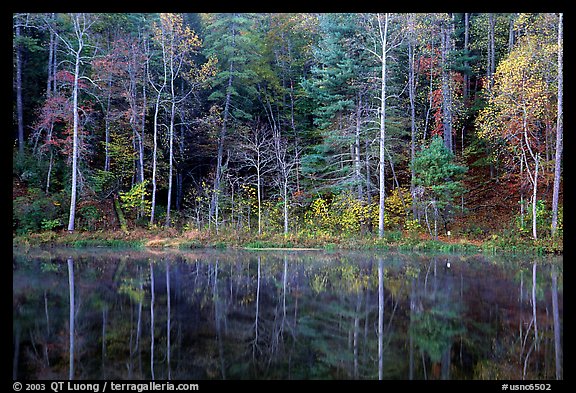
x: 428, y: 65
x: 56, y: 109
x: 438, y: 115
x: 66, y: 77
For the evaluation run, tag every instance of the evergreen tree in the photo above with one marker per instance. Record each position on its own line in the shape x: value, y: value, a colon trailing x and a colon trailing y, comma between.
x: 438, y: 178
x: 229, y: 38
x: 339, y: 86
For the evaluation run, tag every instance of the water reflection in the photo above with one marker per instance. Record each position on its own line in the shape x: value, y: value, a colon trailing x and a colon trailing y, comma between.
x: 285, y: 315
x: 71, y: 317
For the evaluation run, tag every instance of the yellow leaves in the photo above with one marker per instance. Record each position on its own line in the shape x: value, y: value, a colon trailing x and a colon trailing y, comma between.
x: 344, y: 214
x: 520, y: 100
x: 205, y: 72
x: 175, y: 38
x: 347, y: 214
x: 412, y: 225
x: 317, y: 215
x: 395, y: 208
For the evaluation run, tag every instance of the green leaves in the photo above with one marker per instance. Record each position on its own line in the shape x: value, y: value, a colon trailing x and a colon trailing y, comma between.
x: 435, y: 167
x: 135, y: 198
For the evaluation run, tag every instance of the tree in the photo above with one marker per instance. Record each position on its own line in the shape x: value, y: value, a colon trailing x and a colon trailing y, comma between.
x: 19, y: 109
x: 383, y: 30
x: 28, y: 63
x: 559, y: 126
x: 412, y: 98
x: 439, y: 177
x: 75, y: 45
x: 446, y: 27
x: 382, y: 42
x: 229, y: 40
x: 339, y: 85
x: 256, y: 153
x: 285, y: 165
x: 288, y: 47
x: 178, y: 43
x: 159, y: 88
x: 519, y: 114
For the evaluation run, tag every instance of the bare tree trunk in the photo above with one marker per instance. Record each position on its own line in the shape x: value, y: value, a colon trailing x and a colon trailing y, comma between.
x: 217, y: 179
x: 446, y: 88
x: 491, y: 50
x: 77, y: 53
x: 51, y: 49
x: 173, y: 75
x: 430, y: 92
x: 51, y: 91
x: 411, y: 94
x: 367, y: 165
x: 136, y: 119
x: 490, y: 67
x: 19, y: 107
x: 511, y: 33
x: 54, y: 59
x: 559, y: 127
x: 357, y: 148
x: 179, y: 167
x: 156, y: 111
x: 143, y: 125
x: 534, y: 196
x: 383, y: 40
x: 107, y: 128
x: 154, y: 155
x: 259, y: 194
x: 285, y: 208
x: 466, y: 86
x: 223, y: 129
x: 521, y: 190
x: 170, y: 155
x: 50, y: 162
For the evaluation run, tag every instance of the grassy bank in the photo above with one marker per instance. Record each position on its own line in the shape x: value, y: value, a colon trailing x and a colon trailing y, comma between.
x: 392, y: 240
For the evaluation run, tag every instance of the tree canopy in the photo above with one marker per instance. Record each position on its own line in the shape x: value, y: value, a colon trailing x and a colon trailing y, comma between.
x: 219, y: 121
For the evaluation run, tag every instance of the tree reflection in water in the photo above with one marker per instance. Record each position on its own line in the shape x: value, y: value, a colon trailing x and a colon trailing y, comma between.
x: 285, y: 315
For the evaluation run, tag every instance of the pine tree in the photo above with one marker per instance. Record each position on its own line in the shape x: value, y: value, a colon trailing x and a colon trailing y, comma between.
x: 439, y: 177
x: 339, y: 86
x: 229, y: 39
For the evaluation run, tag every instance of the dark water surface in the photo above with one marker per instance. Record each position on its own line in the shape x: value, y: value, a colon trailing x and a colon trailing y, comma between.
x: 212, y: 314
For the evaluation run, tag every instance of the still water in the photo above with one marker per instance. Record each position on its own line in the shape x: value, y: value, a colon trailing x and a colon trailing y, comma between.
x: 213, y: 314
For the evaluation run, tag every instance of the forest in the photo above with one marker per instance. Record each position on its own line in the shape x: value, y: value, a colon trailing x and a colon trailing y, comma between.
x: 338, y: 130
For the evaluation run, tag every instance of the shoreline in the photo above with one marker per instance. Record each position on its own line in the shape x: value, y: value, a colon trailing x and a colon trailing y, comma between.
x: 395, y: 241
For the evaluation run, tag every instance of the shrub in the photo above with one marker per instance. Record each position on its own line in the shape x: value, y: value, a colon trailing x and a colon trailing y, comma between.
x: 31, y: 211
x: 88, y: 217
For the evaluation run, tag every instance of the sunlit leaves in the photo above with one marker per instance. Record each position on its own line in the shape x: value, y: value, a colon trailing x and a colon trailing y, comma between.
x: 137, y: 198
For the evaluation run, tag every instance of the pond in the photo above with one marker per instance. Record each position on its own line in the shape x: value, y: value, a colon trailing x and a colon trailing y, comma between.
x: 237, y: 314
